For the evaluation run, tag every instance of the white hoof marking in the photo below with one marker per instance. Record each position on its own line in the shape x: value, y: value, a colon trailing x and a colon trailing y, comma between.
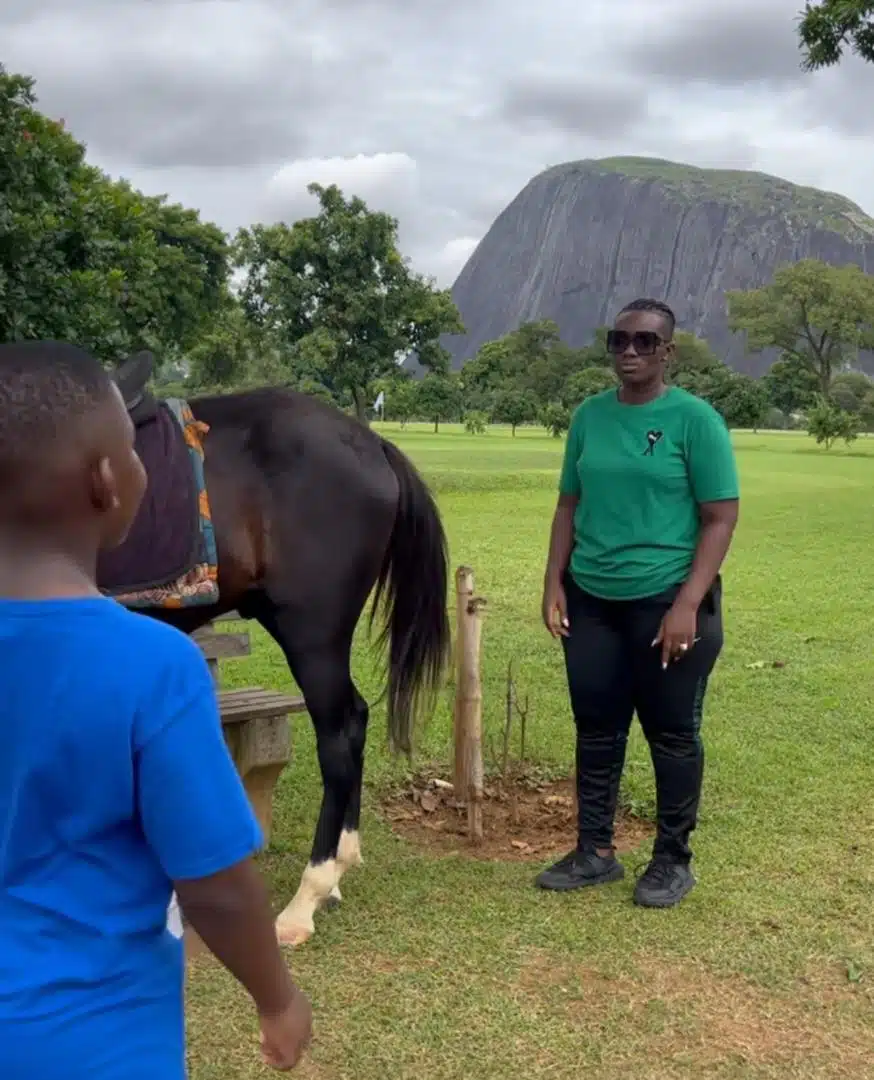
x: 295, y: 924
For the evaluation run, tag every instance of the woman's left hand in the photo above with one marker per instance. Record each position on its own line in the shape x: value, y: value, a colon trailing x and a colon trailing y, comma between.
x: 677, y: 632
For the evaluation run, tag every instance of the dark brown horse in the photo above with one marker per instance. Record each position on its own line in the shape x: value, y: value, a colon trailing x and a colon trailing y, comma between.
x: 313, y: 511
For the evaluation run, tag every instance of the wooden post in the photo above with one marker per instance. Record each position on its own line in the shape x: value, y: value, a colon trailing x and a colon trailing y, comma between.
x: 468, y: 702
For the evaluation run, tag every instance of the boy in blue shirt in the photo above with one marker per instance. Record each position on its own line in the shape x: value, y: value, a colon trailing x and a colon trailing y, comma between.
x: 115, y: 783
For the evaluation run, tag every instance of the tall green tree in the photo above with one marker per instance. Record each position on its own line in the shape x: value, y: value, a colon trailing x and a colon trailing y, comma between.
x: 223, y: 356
x: 90, y: 260
x: 514, y: 407
x: 540, y: 361
x: 814, y: 313
x: 595, y: 354
x: 850, y: 389
x: 493, y: 367
x: 791, y: 385
x: 400, y: 396
x: 556, y: 418
x: 741, y: 400
x: 585, y: 383
x: 692, y: 353
x: 439, y: 398
x: 829, y: 27
x: 866, y: 413
x: 854, y: 392
x: 340, y: 275
x: 531, y: 359
x: 184, y: 287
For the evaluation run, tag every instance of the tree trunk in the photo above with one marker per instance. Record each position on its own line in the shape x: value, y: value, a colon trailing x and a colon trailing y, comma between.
x: 824, y: 364
x: 436, y: 425
x: 360, y: 405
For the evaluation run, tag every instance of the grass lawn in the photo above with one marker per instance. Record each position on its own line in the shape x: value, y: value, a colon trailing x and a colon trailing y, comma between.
x: 445, y: 968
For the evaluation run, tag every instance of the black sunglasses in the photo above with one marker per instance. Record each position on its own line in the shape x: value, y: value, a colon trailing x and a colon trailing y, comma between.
x: 645, y: 342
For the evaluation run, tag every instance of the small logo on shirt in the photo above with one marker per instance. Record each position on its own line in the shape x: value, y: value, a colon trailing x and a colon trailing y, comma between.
x: 652, y: 437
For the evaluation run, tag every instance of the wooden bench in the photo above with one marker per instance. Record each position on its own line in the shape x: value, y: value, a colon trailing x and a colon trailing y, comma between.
x: 255, y: 726
x: 254, y: 721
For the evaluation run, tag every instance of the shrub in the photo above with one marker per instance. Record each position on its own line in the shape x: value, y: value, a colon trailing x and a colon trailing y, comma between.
x: 556, y: 418
x: 475, y: 422
x: 827, y: 422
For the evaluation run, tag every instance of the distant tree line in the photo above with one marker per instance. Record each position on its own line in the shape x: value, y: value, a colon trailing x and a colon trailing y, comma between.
x: 817, y: 317
x: 330, y: 307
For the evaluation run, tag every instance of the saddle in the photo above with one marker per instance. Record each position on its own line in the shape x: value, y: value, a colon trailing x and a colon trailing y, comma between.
x: 167, y: 557
x: 131, y: 377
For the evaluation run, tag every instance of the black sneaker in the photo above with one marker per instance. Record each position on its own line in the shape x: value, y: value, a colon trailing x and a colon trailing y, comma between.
x: 579, y: 869
x: 664, y: 883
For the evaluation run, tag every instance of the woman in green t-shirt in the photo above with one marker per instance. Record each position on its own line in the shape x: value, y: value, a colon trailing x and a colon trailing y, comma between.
x: 648, y: 502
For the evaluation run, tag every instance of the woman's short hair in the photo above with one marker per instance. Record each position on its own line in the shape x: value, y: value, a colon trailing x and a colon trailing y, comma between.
x: 659, y: 307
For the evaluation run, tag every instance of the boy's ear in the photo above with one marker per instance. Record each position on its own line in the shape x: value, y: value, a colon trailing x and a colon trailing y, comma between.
x: 104, y: 489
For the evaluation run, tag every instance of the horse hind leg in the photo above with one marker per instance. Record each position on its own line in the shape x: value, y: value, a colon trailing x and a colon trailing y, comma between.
x: 334, y: 706
x: 349, y: 847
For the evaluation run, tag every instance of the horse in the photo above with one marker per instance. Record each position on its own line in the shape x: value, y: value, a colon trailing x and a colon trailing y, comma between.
x: 312, y: 513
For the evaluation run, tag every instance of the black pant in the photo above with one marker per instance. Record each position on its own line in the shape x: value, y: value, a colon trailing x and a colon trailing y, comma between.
x: 614, y: 671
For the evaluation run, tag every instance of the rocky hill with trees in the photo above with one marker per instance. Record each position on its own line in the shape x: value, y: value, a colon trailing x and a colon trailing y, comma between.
x: 583, y: 238
x: 329, y: 306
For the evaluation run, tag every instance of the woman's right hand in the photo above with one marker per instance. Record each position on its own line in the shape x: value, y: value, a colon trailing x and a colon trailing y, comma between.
x: 554, y: 610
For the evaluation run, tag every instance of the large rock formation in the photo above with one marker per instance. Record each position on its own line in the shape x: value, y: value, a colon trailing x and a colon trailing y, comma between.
x: 582, y: 239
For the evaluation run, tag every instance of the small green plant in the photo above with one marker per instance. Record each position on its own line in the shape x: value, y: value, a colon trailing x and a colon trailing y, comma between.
x: 475, y: 422
x: 855, y: 973
x: 826, y: 423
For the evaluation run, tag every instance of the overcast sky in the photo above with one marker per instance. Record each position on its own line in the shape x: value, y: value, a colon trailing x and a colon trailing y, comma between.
x: 438, y: 111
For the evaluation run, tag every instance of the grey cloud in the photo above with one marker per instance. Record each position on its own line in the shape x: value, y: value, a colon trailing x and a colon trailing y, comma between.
x: 840, y: 99
x: 168, y: 120
x: 755, y: 43
x: 18, y: 12
x: 591, y: 109
x: 733, y: 45
x: 732, y: 152
x: 148, y: 101
x: 208, y: 99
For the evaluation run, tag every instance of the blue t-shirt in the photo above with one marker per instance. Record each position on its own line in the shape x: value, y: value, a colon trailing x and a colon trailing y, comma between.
x: 115, y: 781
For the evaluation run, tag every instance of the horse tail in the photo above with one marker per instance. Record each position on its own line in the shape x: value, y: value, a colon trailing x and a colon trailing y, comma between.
x: 411, y: 597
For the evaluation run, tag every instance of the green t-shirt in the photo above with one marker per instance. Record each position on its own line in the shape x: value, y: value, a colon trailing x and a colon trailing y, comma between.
x: 640, y: 472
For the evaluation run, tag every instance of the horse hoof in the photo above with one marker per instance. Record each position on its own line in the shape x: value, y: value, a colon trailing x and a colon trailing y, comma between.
x: 332, y: 903
x: 293, y: 934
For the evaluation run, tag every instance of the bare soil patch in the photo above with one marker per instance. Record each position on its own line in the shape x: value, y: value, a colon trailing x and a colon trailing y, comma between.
x: 684, y: 1013
x: 524, y: 818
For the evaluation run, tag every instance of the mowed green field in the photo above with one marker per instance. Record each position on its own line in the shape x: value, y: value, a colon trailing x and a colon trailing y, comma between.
x: 445, y: 968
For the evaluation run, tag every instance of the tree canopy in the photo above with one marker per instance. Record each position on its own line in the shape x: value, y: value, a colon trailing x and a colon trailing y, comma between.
x: 828, y: 28
x: 91, y: 260
x: 817, y: 315
x: 336, y: 283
